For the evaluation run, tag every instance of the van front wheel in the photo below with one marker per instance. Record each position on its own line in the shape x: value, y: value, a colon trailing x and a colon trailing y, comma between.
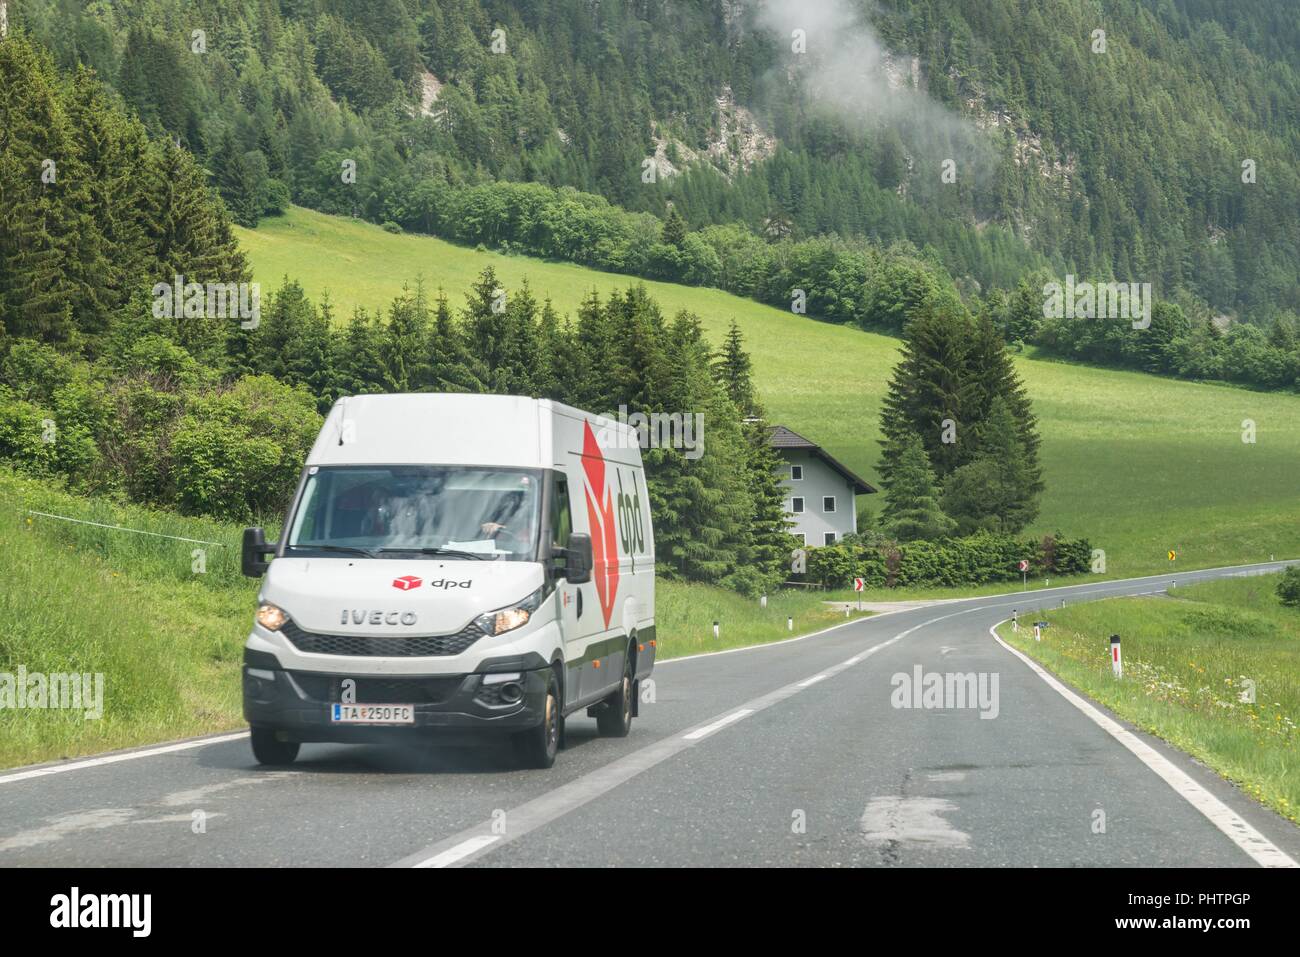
x: 614, y: 720
x: 269, y: 750
x: 536, y: 747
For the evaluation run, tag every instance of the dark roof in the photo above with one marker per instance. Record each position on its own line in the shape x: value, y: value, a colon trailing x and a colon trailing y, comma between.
x: 783, y: 438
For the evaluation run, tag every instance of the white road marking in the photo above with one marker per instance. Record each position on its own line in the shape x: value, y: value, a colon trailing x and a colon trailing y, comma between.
x: 813, y: 680
x: 116, y: 758
x: 1263, y: 851
x: 460, y: 851
x: 911, y: 820
x: 718, y: 725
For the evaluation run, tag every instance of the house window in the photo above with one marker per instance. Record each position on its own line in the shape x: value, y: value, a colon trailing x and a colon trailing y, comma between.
x: 796, y: 473
x: 828, y: 503
x: 796, y: 505
x: 830, y: 538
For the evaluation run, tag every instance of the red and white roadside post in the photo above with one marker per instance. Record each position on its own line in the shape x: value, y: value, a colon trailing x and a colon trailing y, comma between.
x: 1015, y: 620
x: 1024, y: 575
x: 858, y: 585
x: 1116, y: 662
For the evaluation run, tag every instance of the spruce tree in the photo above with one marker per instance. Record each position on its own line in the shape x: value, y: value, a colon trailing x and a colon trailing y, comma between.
x: 995, y: 491
x: 404, y: 355
x: 931, y: 393
x: 674, y: 231
x: 912, y: 508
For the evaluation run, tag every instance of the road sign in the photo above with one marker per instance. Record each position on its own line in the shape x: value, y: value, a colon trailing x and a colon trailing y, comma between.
x: 1172, y: 554
x: 858, y: 584
x: 1024, y: 565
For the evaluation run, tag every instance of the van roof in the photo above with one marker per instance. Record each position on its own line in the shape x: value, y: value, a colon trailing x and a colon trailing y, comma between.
x: 444, y: 428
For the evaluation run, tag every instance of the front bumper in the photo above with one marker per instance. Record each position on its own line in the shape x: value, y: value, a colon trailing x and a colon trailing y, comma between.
x: 299, y: 704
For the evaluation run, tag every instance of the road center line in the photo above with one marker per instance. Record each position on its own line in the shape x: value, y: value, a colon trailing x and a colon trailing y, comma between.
x: 460, y: 851
x: 1263, y: 851
x: 718, y: 725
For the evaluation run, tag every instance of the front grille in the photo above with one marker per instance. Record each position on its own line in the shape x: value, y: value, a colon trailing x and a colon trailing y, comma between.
x: 374, y: 690
x: 382, y: 646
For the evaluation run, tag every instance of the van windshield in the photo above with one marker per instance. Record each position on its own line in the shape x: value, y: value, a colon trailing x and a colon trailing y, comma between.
x: 412, y: 511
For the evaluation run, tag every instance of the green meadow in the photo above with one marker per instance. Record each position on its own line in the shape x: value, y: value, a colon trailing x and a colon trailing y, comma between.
x: 1214, y: 670
x: 1138, y: 464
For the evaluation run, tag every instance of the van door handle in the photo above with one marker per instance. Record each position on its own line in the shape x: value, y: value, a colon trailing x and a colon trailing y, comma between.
x: 579, y: 612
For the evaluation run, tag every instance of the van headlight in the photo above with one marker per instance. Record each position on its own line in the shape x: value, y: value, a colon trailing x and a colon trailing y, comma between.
x: 271, y: 617
x: 508, y: 619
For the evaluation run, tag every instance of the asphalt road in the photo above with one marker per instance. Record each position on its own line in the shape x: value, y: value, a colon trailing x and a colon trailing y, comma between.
x: 785, y: 755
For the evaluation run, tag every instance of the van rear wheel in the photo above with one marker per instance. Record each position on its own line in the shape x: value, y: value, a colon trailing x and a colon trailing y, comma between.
x: 614, y: 720
x: 536, y: 747
x: 270, y: 750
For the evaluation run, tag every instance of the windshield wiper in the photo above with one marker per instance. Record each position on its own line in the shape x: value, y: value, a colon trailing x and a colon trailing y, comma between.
x: 431, y: 550
x: 350, y: 549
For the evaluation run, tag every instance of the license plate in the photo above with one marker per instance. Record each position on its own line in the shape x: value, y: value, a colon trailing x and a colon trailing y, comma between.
x: 373, y: 714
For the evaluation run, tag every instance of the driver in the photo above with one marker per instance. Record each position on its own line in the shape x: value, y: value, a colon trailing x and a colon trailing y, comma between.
x: 509, y: 526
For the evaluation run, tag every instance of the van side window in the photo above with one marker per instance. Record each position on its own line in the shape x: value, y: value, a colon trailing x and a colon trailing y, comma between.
x: 561, y: 519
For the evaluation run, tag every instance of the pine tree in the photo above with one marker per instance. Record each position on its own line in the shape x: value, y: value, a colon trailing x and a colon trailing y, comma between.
x: 931, y: 393
x: 997, y: 490
x: 404, y: 354
x: 735, y: 371
x: 991, y: 365
x: 238, y: 182
x: 768, y: 522
x: 358, y: 356
x: 452, y: 367
x: 912, y: 509
x: 674, y: 231
x: 38, y: 217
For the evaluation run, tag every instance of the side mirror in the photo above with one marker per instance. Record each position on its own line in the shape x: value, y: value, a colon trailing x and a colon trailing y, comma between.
x: 577, y: 559
x: 252, y: 561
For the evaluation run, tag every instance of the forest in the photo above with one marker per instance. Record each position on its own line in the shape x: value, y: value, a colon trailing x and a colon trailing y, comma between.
x: 1074, y: 152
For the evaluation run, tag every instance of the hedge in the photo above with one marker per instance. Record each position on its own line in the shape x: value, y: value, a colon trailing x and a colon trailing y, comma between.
x: 974, y: 560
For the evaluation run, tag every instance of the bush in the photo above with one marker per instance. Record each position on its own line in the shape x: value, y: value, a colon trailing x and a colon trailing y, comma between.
x: 973, y: 560
x: 1288, y: 589
x: 23, y: 432
x: 237, y: 455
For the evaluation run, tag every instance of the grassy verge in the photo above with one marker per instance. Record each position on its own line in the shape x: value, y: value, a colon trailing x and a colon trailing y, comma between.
x: 81, y: 599
x: 1189, y: 663
x: 685, y: 613
x: 168, y: 638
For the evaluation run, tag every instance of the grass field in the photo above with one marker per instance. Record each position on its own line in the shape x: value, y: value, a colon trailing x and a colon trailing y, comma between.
x: 1188, y: 662
x: 1138, y: 464
x: 168, y: 638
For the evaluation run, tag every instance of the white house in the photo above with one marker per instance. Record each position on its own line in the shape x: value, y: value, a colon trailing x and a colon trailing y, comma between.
x: 820, y: 492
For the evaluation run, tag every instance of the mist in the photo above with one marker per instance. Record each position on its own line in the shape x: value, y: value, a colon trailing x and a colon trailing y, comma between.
x: 844, y: 69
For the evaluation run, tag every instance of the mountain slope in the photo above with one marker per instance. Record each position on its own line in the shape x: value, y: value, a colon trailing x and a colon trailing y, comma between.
x: 1110, y: 155
x: 1137, y: 463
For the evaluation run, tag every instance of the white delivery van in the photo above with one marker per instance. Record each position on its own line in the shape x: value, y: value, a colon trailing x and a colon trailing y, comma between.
x: 454, y: 565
